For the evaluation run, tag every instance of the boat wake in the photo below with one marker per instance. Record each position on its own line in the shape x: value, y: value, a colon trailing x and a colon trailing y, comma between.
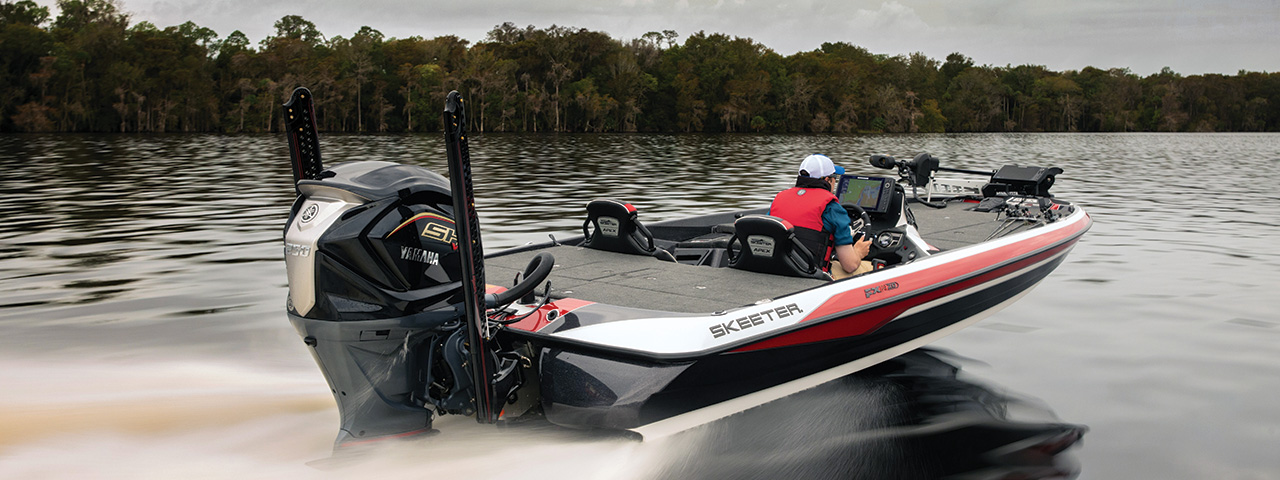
x: 911, y: 417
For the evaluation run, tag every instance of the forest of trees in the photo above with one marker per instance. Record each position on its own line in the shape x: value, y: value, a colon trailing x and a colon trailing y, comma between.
x: 88, y: 70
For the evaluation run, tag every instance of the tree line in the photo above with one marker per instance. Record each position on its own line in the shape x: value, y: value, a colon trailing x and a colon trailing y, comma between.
x: 89, y: 70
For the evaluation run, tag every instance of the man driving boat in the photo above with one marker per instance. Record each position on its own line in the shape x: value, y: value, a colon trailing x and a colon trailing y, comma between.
x: 821, y: 224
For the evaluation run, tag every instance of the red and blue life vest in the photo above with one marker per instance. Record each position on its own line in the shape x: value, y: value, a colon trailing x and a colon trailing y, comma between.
x: 803, y: 207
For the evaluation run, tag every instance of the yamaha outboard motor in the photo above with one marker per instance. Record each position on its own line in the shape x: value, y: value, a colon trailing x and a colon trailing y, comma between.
x: 376, y: 290
x: 367, y: 288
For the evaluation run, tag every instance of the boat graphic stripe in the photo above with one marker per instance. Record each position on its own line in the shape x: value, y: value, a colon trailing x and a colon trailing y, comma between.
x: 543, y: 317
x: 868, y: 321
x: 536, y: 321
x: 420, y: 216
x: 849, y: 300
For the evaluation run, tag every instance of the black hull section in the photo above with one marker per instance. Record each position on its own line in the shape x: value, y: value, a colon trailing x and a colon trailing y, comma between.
x: 600, y: 391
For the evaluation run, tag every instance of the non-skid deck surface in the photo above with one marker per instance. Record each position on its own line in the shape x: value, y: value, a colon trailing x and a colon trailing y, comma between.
x: 955, y: 226
x: 646, y: 282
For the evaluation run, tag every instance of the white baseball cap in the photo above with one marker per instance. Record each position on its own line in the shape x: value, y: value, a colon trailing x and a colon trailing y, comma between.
x: 818, y: 166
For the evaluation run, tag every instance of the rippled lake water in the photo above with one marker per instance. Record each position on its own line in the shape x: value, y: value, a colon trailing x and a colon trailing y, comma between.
x: 143, y: 334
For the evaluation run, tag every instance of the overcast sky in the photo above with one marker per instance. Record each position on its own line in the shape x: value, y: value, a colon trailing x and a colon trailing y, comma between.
x: 1189, y: 36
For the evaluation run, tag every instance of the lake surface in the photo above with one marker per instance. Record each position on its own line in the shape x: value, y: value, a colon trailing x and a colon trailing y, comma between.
x: 143, y: 334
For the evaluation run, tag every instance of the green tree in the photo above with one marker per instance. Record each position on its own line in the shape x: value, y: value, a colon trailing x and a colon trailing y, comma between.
x: 89, y: 69
x: 976, y: 101
x: 931, y: 118
x: 25, y: 67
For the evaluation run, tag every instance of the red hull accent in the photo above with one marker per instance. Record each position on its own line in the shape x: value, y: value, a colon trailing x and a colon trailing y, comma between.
x: 541, y: 318
x: 909, y: 289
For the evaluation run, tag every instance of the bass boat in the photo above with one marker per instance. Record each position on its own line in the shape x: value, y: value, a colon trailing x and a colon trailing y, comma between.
x: 648, y: 329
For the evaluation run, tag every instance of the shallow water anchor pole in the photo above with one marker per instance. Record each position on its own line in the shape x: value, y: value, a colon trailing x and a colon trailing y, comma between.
x: 479, y: 362
x: 304, y: 143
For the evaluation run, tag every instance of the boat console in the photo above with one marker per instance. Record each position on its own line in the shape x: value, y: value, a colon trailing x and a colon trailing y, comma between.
x: 890, y: 225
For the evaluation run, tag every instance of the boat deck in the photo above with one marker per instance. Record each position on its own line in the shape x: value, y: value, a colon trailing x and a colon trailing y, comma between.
x: 646, y: 282
x: 955, y: 226
x: 649, y: 283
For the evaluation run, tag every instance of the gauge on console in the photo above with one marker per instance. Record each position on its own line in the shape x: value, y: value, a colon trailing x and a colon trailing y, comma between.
x: 885, y: 240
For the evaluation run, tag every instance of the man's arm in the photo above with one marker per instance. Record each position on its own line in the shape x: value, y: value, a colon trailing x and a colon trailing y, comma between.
x: 849, y: 253
x: 850, y: 256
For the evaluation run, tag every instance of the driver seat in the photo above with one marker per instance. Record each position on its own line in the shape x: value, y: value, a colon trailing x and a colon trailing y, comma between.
x: 614, y: 226
x: 766, y: 244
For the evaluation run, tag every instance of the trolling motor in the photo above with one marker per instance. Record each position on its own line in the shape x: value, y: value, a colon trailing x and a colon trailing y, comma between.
x: 387, y: 286
x: 1022, y: 180
x: 1008, y: 180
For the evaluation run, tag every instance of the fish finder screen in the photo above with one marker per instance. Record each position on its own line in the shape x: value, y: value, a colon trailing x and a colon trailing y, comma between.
x: 870, y: 193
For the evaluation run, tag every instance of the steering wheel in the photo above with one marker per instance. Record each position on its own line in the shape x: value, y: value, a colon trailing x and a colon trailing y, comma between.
x: 534, y: 273
x: 859, y: 221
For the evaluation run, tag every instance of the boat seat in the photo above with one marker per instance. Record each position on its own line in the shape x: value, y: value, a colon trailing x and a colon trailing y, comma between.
x: 614, y: 226
x: 766, y: 244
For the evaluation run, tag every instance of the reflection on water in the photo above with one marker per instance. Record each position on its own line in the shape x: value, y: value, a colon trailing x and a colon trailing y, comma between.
x: 913, y: 417
x: 142, y: 331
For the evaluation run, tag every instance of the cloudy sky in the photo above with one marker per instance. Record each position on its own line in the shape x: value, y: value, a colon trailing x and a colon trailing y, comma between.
x: 1189, y: 36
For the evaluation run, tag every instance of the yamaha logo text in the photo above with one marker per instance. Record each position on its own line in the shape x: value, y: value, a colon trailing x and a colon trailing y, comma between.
x: 419, y: 255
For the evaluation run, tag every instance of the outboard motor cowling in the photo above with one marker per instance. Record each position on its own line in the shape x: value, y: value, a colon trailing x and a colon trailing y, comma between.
x: 372, y: 240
